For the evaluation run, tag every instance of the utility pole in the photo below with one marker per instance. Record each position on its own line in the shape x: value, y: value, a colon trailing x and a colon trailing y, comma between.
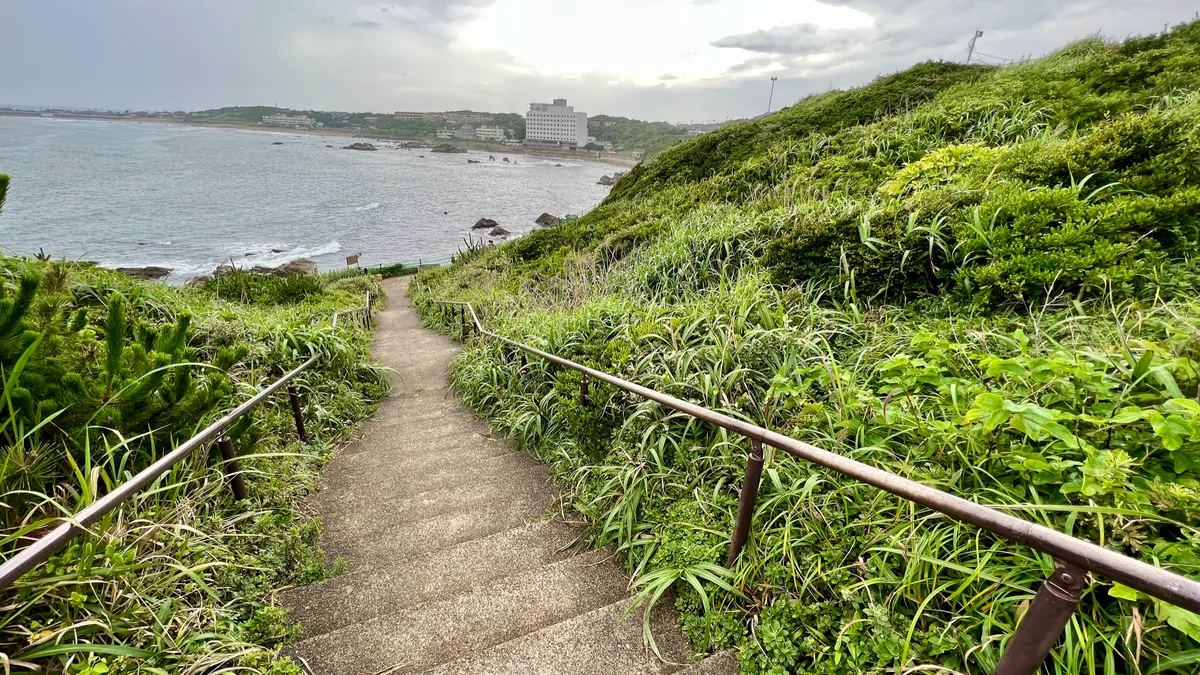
x: 971, y: 46
x: 771, y: 100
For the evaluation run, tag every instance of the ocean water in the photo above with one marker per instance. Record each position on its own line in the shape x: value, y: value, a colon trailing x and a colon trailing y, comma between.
x: 189, y: 198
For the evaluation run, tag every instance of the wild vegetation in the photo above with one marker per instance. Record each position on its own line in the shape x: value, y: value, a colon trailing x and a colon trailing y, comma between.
x: 980, y: 278
x: 102, y: 375
x: 628, y: 134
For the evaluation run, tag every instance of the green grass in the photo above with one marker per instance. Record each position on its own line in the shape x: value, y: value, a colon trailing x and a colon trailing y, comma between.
x: 981, y: 279
x: 102, y: 375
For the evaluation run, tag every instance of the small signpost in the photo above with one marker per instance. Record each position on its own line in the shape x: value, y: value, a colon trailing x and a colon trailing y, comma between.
x: 352, y: 259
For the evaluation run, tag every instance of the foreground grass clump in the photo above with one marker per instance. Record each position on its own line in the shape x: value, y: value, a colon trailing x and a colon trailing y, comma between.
x: 980, y: 279
x: 102, y: 375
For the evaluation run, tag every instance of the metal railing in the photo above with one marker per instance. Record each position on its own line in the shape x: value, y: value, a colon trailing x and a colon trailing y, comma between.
x: 46, y: 546
x: 1042, y: 623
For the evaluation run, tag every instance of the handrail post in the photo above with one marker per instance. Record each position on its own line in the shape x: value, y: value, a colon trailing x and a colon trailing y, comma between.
x: 746, y: 501
x: 297, y: 413
x: 231, y: 468
x: 1043, y: 622
x: 583, y: 390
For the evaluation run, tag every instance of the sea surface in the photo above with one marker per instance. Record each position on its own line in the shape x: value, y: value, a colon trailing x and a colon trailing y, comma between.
x: 189, y: 198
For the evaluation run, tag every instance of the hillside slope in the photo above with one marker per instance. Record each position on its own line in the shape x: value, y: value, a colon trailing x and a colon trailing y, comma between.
x: 979, y: 278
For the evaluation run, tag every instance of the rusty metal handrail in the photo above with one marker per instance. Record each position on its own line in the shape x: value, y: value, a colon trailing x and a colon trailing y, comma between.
x: 46, y: 546
x: 1055, y: 601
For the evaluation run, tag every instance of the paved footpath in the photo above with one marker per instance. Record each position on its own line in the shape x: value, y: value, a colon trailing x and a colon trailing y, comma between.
x: 455, y: 563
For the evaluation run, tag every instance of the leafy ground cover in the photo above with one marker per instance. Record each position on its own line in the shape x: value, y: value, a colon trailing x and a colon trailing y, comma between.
x: 102, y: 375
x: 979, y: 278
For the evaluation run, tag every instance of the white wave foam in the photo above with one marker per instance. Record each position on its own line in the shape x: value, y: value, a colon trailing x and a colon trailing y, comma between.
x: 273, y: 254
x: 368, y: 207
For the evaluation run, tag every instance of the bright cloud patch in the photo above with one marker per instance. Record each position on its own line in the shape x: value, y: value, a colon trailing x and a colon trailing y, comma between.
x: 638, y: 41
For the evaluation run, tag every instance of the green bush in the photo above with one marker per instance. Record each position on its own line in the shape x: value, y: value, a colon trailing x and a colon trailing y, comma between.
x: 981, y: 279
x: 103, y: 375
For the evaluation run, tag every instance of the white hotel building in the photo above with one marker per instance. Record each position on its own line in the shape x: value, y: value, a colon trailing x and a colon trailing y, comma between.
x: 555, y: 126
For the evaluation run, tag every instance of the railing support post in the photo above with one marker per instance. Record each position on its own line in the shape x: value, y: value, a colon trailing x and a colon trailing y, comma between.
x: 583, y: 390
x: 1043, y: 622
x: 297, y: 413
x: 746, y: 501
x: 231, y: 468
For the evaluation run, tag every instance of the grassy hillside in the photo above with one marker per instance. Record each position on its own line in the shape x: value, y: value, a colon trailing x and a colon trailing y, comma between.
x: 626, y: 134
x: 101, y: 376
x: 982, y: 279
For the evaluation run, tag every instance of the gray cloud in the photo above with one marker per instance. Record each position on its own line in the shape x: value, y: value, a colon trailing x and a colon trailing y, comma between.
x: 367, y: 25
x: 138, y: 54
x: 798, y: 39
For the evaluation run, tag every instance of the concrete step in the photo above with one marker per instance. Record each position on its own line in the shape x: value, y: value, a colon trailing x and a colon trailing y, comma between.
x: 425, y: 635
x: 382, y: 548
x: 351, y: 486
x: 600, y: 642
x: 413, y: 454
x: 434, y: 495
x: 721, y: 663
x: 418, y: 433
x: 359, y: 596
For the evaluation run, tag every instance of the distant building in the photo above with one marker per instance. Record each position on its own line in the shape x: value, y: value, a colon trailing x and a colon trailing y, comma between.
x: 551, y: 126
x: 466, y: 132
x: 490, y: 133
x: 446, y: 117
x: 291, y: 122
x: 445, y: 133
x: 466, y: 117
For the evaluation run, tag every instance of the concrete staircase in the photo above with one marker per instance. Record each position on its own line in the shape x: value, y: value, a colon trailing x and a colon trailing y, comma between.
x: 456, y: 561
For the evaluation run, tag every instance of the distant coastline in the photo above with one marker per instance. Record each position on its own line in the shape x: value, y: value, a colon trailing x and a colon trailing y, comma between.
x: 583, y: 156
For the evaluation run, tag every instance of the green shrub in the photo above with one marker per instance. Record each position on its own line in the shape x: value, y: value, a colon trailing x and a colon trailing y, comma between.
x: 981, y: 279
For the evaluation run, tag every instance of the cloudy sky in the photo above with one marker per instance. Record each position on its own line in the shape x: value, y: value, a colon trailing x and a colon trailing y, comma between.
x: 678, y: 60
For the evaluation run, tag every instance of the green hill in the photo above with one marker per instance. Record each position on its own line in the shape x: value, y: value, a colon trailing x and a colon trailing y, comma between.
x: 979, y: 278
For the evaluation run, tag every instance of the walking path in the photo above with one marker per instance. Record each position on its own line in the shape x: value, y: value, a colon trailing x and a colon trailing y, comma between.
x: 455, y: 565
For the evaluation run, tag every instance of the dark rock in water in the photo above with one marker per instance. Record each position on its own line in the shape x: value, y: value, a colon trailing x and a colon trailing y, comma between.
x: 491, y: 158
x: 360, y: 146
x: 277, y: 250
x: 145, y: 273
x: 277, y: 143
x: 328, y: 146
x: 196, y: 282
x: 558, y: 165
x: 483, y: 223
x: 506, y: 159
x: 473, y: 161
x: 446, y: 147
x: 498, y: 232
x: 421, y: 156
x: 606, y: 180
x: 547, y: 220
x: 247, y: 255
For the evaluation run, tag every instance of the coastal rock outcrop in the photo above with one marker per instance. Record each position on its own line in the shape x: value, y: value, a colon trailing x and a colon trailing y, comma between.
x: 606, y: 180
x: 547, y: 220
x: 498, y: 232
x: 277, y: 143
x: 473, y: 161
x: 145, y: 273
x: 298, y: 266
x: 360, y: 146
x: 484, y: 223
x: 446, y: 147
